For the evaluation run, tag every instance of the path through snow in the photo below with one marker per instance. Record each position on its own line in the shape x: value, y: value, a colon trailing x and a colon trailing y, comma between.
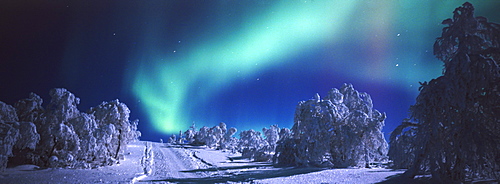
x: 147, y: 162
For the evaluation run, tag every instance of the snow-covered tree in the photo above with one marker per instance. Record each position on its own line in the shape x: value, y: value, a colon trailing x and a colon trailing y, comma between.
x: 211, y: 137
x: 223, y: 127
x: 402, y: 145
x: 251, y: 144
x: 17, y: 140
x: 229, y: 142
x: 62, y: 136
x: 172, y: 139
x: 58, y: 138
x: 189, y: 136
x: 272, y: 137
x: 215, y: 135
x: 91, y: 142
x: 284, y: 133
x: 200, y: 138
x: 29, y: 112
x: 286, y: 151
x: 8, y: 133
x: 285, y: 148
x: 30, y: 109
x: 117, y: 114
x: 457, y: 135
x: 341, y: 130
x: 181, y: 139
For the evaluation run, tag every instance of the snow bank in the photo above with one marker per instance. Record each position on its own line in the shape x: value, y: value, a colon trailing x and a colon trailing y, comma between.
x: 125, y: 172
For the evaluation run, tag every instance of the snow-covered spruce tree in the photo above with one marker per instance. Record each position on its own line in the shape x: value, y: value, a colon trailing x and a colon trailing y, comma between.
x: 341, y: 130
x: 457, y: 136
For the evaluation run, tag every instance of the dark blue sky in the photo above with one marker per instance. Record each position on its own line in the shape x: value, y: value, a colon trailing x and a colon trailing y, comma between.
x: 246, y: 63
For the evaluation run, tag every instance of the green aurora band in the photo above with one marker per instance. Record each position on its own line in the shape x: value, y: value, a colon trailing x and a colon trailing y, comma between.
x: 164, y: 88
x: 172, y: 83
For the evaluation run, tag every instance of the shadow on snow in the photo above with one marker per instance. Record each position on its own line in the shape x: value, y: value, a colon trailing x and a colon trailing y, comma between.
x: 240, y: 176
x: 399, y: 178
x: 230, y: 168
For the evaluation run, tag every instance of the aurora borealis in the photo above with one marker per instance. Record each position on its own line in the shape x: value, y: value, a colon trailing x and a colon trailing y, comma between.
x: 266, y: 41
x: 246, y: 63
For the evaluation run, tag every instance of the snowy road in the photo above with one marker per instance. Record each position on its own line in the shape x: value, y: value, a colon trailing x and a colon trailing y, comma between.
x: 169, y: 162
x: 200, y: 165
x: 160, y: 161
x: 148, y: 162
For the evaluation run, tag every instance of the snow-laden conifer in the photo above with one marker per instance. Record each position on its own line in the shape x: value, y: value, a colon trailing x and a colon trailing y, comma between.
x: 456, y: 137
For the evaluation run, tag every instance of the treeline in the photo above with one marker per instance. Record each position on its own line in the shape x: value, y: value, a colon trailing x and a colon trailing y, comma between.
x: 341, y: 130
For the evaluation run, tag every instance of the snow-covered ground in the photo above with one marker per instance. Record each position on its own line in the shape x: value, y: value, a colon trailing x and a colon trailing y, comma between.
x: 125, y: 172
x: 147, y: 162
x: 221, y: 167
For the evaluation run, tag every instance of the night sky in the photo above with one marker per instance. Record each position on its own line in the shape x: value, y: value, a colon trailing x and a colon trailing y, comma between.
x: 243, y: 62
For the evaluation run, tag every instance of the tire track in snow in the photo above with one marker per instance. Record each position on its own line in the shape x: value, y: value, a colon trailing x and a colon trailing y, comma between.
x: 168, y: 162
x: 146, y: 162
